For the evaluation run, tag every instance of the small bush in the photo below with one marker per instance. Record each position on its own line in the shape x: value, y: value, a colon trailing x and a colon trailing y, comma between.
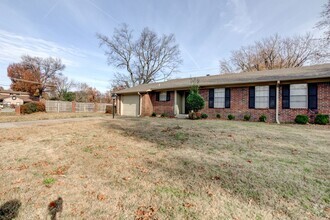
x: 218, y: 116
x: 33, y: 107
x: 321, y: 119
x: 231, y: 117
x: 193, y: 116
x: 164, y: 115
x: 247, y: 117
x: 153, y: 114
x: 301, y: 119
x: 108, y: 109
x: 203, y: 115
x: 195, y: 101
x: 263, y: 118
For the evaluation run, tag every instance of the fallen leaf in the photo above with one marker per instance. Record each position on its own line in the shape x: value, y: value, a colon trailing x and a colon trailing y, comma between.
x: 145, y: 212
x: 216, y: 178
x: 188, y: 205
x: 209, y: 193
x: 100, y: 197
x: 23, y: 167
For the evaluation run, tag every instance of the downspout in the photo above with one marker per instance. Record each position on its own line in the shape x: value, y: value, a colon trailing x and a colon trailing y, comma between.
x: 277, y: 101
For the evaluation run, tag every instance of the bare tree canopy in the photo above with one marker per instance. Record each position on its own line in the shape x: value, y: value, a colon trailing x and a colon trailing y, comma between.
x: 86, y: 93
x: 274, y: 52
x: 62, y: 86
x: 44, y: 71
x: 146, y: 59
x: 324, y: 23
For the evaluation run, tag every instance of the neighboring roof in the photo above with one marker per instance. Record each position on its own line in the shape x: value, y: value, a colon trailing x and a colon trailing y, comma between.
x: 287, y: 74
x: 24, y: 98
x: 13, y: 92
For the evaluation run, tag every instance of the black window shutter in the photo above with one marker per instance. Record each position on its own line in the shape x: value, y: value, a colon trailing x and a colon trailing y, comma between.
x: 168, y: 96
x: 272, y: 96
x: 211, y: 98
x: 227, y: 97
x: 252, y: 94
x: 286, y: 96
x: 157, y: 96
x: 312, y: 96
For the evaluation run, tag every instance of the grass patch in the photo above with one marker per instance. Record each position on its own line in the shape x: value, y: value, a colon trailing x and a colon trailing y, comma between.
x: 48, y: 181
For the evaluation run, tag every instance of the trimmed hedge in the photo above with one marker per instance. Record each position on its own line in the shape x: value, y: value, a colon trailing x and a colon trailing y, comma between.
x: 33, y: 107
x: 218, y: 116
x: 321, y: 119
x: 301, y: 119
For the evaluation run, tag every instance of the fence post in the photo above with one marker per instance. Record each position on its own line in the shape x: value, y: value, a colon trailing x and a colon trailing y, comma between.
x: 18, y: 109
x: 58, y: 106
x: 95, y: 107
x: 74, y: 106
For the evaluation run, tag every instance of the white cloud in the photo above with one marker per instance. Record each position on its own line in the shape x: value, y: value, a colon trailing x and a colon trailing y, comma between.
x: 241, y: 22
x: 13, y: 46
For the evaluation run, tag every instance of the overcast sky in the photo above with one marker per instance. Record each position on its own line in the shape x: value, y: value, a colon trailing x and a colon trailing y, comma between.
x: 206, y: 30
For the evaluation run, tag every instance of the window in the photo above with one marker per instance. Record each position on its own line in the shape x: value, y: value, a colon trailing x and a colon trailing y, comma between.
x: 219, y: 98
x: 261, y: 96
x: 298, y: 96
x: 162, y: 96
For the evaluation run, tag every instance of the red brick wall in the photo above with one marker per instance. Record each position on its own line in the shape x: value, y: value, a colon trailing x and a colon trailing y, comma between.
x: 163, y: 107
x: 239, y: 106
x: 323, y: 100
x: 147, y: 107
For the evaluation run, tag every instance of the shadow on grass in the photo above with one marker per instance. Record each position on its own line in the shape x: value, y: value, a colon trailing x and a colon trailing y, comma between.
x: 10, y: 209
x: 171, y: 136
x: 267, y: 182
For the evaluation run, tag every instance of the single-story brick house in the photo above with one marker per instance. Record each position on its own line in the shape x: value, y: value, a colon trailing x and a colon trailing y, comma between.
x: 279, y: 94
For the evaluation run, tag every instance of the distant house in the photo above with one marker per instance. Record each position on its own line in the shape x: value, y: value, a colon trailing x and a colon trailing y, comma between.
x: 279, y: 94
x: 10, y: 97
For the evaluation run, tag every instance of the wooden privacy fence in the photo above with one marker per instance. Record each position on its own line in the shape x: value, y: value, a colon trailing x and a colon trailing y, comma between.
x: 62, y: 106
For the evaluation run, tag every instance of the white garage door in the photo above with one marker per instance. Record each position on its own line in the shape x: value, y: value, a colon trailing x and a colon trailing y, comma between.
x: 130, y: 105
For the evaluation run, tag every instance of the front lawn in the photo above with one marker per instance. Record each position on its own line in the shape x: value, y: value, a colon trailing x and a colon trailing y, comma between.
x: 168, y: 169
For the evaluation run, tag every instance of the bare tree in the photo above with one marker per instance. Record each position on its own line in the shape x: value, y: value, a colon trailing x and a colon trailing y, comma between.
x: 147, y: 59
x: 85, y: 93
x: 274, y: 53
x: 324, y: 23
x: 62, y: 86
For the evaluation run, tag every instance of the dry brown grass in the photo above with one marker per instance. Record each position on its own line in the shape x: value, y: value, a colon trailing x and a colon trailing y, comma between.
x: 155, y: 168
x: 46, y: 116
